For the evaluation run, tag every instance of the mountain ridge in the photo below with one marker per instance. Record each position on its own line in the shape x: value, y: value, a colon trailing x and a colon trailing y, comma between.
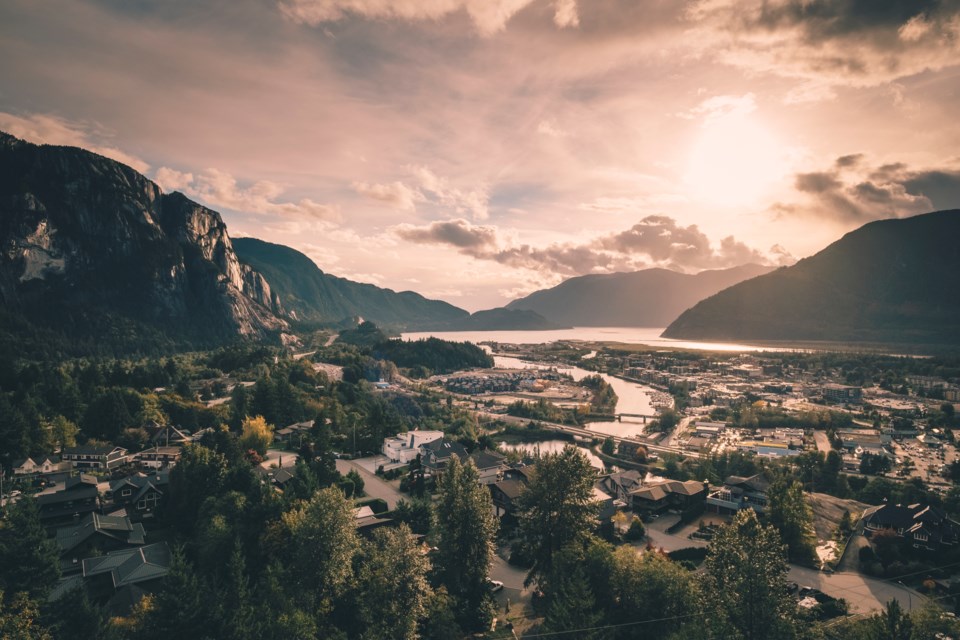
x: 646, y: 298
x: 312, y: 295
x: 889, y: 281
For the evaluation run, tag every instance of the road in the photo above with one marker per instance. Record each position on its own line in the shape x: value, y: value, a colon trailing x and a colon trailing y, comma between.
x: 863, y: 593
x: 373, y: 486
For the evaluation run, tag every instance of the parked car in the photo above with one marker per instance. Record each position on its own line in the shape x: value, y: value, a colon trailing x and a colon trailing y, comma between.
x: 495, y: 585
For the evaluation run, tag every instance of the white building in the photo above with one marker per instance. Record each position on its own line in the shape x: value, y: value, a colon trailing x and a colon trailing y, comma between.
x: 404, y: 447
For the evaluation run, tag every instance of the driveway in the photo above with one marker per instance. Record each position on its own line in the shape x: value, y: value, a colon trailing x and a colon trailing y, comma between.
x: 373, y: 486
x: 512, y: 579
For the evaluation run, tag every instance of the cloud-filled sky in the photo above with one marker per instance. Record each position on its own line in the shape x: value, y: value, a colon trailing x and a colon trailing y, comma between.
x: 477, y: 150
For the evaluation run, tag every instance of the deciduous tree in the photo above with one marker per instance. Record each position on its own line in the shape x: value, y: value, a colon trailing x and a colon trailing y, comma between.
x: 744, y: 586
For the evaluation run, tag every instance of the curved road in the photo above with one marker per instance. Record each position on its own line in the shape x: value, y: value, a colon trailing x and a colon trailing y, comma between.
x: 863, y: 593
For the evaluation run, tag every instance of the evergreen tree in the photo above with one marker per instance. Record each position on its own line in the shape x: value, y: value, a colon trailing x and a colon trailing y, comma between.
x: 557, y: 508
x: 181, y: 608
x: 29, y: 560
x: 573, y: 606
x: 238, y: 615
x: 466, y: 528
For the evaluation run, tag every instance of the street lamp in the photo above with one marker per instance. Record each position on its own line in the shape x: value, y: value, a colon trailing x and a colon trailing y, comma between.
x: 909, y: 595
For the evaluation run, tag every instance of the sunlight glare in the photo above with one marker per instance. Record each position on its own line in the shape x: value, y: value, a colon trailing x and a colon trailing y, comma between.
x: 735, y: 161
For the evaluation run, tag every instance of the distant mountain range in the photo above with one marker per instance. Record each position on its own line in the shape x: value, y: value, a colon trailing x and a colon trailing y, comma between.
x: 310, y: 295
x: 647, y: 298
x: 891, y: 281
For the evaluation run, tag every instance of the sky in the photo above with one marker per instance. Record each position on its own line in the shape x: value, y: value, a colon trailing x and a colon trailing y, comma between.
x: 478, y: 150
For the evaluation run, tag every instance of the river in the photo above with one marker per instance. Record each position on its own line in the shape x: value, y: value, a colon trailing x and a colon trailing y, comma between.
x: 632, y: 397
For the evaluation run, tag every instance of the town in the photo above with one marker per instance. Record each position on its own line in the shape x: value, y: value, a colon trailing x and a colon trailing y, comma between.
x: 851, y: 457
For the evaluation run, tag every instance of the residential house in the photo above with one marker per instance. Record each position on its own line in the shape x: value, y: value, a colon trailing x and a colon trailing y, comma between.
x: 607, y: 504
x: 159, y: 457
x: 619, y: 485
x: 740, y: 493
x: 95, y: 457
x: 139, y: 495
x: 922, y: 526
x: 40, y: 466
x: 96, y: 533
x: 367, y: 521
x: 167, y: 435
x: 405, y: 447
x: 435, y: 455
x: 142, y: 566
x: 489, y: 465
x: 505, y: 492
x: 78, y: 497
x: 667, y: 495
x: 293, y: 434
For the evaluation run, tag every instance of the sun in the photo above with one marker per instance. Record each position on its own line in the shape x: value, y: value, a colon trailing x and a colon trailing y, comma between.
x: 735, y: 161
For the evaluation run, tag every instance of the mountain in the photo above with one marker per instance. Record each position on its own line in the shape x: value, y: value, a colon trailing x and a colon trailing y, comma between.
x: 310, y: 295
x: 891, y: 281
x: 647, y: 298
x: 94, y: 255
x: 501, y: 319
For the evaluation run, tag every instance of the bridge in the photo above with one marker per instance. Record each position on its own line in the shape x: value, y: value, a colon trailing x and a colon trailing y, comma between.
x: 620, y: 416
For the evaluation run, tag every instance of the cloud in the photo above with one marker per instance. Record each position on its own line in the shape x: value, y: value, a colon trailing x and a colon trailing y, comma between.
x: 488, y: 16
x: 853, y: 191
x: 47, y: 129
x: 395, y: 193
x: 459, y: 233
x: 425, y: 186
x: 843, y: 42
x: 718, y: 107
x: 654, y: 241
x: 220, y: 189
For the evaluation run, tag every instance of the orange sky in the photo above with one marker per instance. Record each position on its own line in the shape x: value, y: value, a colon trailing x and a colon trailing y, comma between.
x: 476, y: 150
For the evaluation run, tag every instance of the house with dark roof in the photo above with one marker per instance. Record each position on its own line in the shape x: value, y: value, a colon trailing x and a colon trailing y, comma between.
x: 166, y: 435
x: 489, y: 465
x: 158, y: 457
x: 504, y: 493
x: 96, y: 533
x: 435, y: 455
x: 95, y: 456
x: 740, y: 493
x: 921, y: 526
x: 78, y: 497
x: 666, y: 495
x: 293, y: 433
x: 143, y: 566
x: 139, y: 494
x: 619, y: 485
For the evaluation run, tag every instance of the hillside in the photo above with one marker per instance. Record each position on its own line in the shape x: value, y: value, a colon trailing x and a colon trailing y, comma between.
x: 648, y: 298
x: 94, y: 257
x: 891, y: 281
x: 501, y: 319
x: 310, y: 295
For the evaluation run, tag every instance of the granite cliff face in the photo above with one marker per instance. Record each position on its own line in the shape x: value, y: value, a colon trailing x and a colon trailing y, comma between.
x: 86, y: 240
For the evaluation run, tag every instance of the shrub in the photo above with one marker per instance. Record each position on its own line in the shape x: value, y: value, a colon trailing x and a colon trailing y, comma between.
x: 636, y: 530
